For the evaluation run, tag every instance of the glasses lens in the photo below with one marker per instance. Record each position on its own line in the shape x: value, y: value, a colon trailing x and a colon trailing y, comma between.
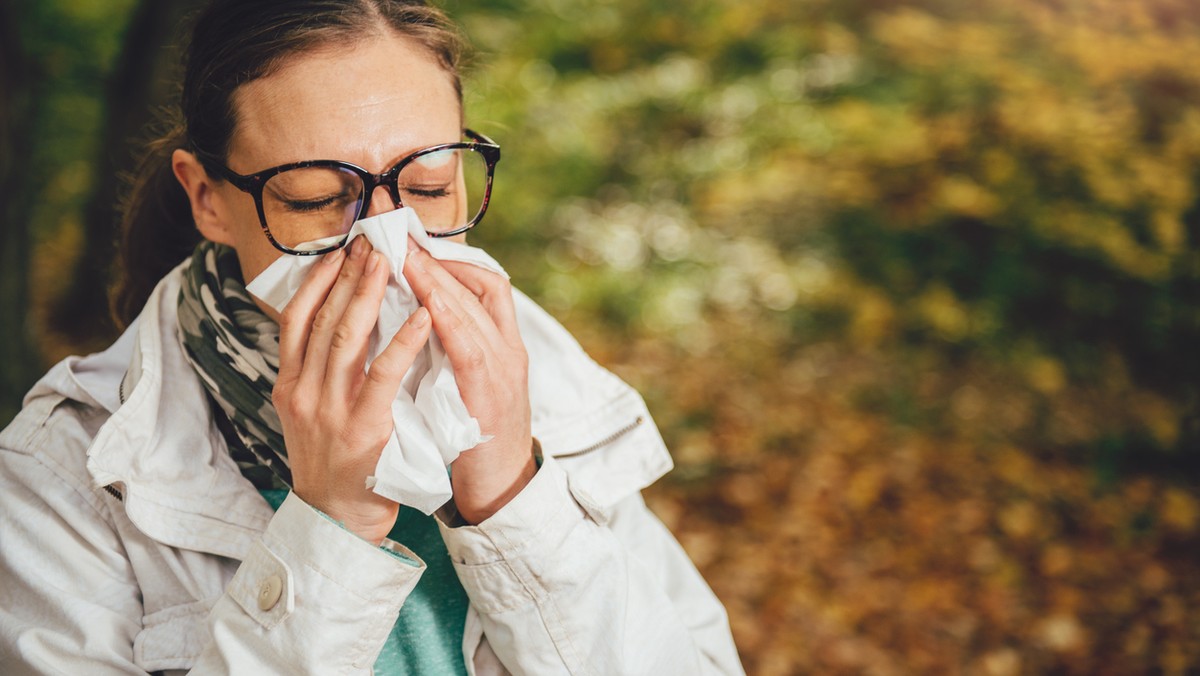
x: 446, y: 188
x: 311, y: 208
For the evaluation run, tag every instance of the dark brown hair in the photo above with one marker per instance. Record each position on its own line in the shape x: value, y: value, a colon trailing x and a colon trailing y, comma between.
x: 234, y: 42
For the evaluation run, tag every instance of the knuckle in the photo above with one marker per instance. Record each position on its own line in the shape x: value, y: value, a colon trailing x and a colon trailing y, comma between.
x: 342, y: 338
x: 383, y: 370
x: 294, y: 407
x: 349, y: 270
x: 280, y: 395
x: 363, y: 290
x: 288, y: 318
x: 474, y: 359
x: 496, y: 285
x: 409, y: 336
x: 521, y: 361
x: 324, y: 320
x: 451, y: 321
x: 467, y: 324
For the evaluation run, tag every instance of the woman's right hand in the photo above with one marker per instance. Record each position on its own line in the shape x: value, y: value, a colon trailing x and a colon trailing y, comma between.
x: 336, y: 416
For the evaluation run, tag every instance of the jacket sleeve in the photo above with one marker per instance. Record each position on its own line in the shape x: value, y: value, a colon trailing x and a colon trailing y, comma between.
x: 71, y: 600
x: 560, y: 591
x: 339, y: 595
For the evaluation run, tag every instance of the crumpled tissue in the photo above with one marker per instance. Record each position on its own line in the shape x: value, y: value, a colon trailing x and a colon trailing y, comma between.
x: 432, y: 424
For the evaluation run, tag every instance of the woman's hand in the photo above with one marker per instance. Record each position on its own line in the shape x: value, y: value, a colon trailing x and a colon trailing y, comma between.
x: 336, y: 417
x: 473, y: 315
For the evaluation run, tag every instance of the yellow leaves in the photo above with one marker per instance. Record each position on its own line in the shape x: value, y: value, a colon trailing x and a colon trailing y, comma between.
x: 702, y: 547
x: 962, y: 196
x: 891, y: 136
x: 865, y: 487
x: 942, y: 311
x: 873, y: 316
x: 1168, y: 230
x: 744, y: 18
x: 1106, y: 56
x: 906, y: 549
x: 999, y: 166
x: 1079, y: 128
x: 850, y: 186
x: 931, y: 593
x: 980, y: 43
x: 1003, y: 662
x: 1101, y: 234
x: 773, y: 182
x: 922, y: 40
x: 1153, y: 579
x: 1061, y: 633
x: 1046, y: 374
x: 1012, y: 465
x: 1159, y: 417
x: 1056, y: 560
x: 1179, y: 511
x: 1162, y: 182
x: 836, y: 39
x: 916, y: 37
x: 1019, y: 520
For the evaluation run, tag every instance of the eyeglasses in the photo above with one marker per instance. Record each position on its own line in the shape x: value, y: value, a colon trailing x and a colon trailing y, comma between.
x: 307, y: 208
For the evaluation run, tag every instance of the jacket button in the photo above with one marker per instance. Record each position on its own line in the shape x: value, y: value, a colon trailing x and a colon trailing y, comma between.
x: 269, y: 592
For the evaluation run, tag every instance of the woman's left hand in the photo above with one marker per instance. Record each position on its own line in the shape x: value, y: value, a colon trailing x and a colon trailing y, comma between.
x: 473, y: 315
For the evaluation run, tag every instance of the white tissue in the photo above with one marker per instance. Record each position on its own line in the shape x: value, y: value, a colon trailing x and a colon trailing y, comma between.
x: 432, y: 425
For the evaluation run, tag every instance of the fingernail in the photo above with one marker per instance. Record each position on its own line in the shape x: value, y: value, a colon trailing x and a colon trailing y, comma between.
x: 358, y: 247
x: 435, y: 299
x: 334, y: 257
x: 373, y: 261
x: 420, y: 317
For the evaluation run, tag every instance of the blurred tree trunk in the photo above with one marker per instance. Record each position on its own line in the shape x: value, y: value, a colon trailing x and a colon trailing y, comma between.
x: 20, y: 356
x: 137, y: 87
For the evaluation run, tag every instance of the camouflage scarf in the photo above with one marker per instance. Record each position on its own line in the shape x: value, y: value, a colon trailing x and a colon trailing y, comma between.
x: 234, y: 348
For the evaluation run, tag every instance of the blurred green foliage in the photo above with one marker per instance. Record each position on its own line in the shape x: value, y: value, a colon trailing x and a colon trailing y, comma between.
x: 1010, y: 178
x: 72, y: 45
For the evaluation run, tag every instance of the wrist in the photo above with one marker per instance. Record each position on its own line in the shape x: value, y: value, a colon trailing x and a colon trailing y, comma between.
x: 478, y: 501
x: 372, y: 525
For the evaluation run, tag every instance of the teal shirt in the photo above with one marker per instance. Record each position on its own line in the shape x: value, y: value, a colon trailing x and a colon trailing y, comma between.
x: 428, y: 635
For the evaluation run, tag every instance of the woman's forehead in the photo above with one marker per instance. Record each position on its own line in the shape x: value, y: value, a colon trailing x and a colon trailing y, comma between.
x: 370, y: 104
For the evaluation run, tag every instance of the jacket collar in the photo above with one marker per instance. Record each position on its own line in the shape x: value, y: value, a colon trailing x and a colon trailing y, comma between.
x: 160, y: 447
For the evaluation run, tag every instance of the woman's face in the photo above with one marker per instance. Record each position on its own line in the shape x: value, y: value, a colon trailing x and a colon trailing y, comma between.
x: 371, y: 105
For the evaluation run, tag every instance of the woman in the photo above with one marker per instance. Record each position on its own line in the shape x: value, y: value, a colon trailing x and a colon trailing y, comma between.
x: 133, y: 482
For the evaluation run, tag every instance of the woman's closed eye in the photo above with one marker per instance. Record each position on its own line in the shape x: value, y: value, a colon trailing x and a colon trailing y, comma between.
x: 428, y: 192
x: 316, y: 204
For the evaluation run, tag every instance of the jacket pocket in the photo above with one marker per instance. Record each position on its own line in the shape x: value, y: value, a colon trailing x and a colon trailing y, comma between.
x: 608, y: 455
x: 174, y: 637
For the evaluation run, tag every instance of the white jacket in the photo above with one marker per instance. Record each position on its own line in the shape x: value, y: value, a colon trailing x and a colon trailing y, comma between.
x: 131, y: 543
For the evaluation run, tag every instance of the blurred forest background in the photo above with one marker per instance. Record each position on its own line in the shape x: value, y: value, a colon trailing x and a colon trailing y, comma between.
x: 911, y: 286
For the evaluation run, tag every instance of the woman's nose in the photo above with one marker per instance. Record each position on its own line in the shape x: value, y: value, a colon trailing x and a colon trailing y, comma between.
x: 383, y: 201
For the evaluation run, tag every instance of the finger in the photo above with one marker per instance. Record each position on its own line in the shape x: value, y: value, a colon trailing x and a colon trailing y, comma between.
x: 426, y: 274
x: 329, y: 315
x: 295, y: 322
x: 383, y: 378
x: 494, y: 292
x: 348, y: 345
x: 468, y: 350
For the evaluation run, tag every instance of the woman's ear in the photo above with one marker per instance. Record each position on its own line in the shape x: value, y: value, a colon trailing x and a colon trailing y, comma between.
x: 207, y: 210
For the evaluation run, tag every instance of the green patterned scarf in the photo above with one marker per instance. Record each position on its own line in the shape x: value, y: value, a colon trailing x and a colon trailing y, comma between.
x: 234, y: 348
